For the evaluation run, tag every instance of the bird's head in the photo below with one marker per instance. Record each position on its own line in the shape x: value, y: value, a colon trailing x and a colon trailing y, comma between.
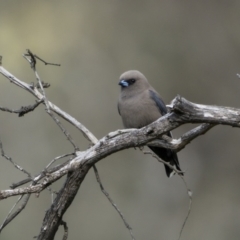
x: 133, y: 80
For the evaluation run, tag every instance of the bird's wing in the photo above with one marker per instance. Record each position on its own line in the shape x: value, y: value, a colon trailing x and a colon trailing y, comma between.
x: 118, y: 109
x: 159, y: 102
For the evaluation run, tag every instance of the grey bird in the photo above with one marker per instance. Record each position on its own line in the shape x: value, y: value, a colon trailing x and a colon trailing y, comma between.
x: 139, y: 105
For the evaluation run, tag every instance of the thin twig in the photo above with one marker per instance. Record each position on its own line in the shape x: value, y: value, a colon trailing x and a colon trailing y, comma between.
x: 53, y: 192
x: 187, y: 137
x: 189, y: 206
x: 65, y: 235
x: 23, y: 110
x: 40, y: 175
x: 11, y: 215
x: 34, y: 91
x: 33, y: 63
x: 20, y: 183
x: 112, y: 202
x: 59, y: 157
x: 14, y: 164
x: 44, y: 85
x: 180, y: 143
x: 47, y: 63
x: 185, y: 183
x: 32, y: 60
x: 66, y: 133
x: 162, y: 161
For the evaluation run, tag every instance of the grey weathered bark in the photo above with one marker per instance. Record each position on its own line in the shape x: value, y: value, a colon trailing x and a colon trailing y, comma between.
x: 182, y: 111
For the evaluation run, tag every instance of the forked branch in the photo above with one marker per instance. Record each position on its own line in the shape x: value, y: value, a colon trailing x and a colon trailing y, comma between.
x: 181, y: 111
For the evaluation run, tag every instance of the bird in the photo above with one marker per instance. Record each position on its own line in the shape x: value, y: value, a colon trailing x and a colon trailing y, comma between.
x: 139, y: 104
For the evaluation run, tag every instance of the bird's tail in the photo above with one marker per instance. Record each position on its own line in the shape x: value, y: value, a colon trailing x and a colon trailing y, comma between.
x: 168, y: 156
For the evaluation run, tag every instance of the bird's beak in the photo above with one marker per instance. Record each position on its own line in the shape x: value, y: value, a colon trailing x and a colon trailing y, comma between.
x: 123, y: 83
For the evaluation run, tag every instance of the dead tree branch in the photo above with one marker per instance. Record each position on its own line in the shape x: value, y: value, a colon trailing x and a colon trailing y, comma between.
x: 75, y: 168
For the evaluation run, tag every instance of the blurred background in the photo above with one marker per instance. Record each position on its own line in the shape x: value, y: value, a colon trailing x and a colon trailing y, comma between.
x: 191, y: 48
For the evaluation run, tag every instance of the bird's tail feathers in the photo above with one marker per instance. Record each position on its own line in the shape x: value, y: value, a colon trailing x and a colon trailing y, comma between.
x: 168, y: 156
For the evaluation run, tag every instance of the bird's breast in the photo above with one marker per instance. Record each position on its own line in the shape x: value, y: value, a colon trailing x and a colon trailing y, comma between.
x: 138, y: 112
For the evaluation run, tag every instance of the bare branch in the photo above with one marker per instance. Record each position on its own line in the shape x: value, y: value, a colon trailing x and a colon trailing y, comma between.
x: 20, y: 183
x: 190, y: 112
x: 186, y: 138
x: 66, y: 133
x: 112, y: 202
x: 11, y: 215
x: 189, y: 207
x: 23, y: 110
x: 33, y: 63
x: 189, y: 192
x: 136, y: 138
x: 10, y: 160
x: 29, y: 53
x: 63, y: 200
x: 180, y: 173
x: 44, y: 85
x: 59, y: 157
x: 41, y: 175
x: 181, y: 112
x: 65, y: 235
x: 34, y: 91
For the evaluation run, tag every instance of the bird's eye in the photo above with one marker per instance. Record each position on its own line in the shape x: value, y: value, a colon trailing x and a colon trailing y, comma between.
x: 131, y: 81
